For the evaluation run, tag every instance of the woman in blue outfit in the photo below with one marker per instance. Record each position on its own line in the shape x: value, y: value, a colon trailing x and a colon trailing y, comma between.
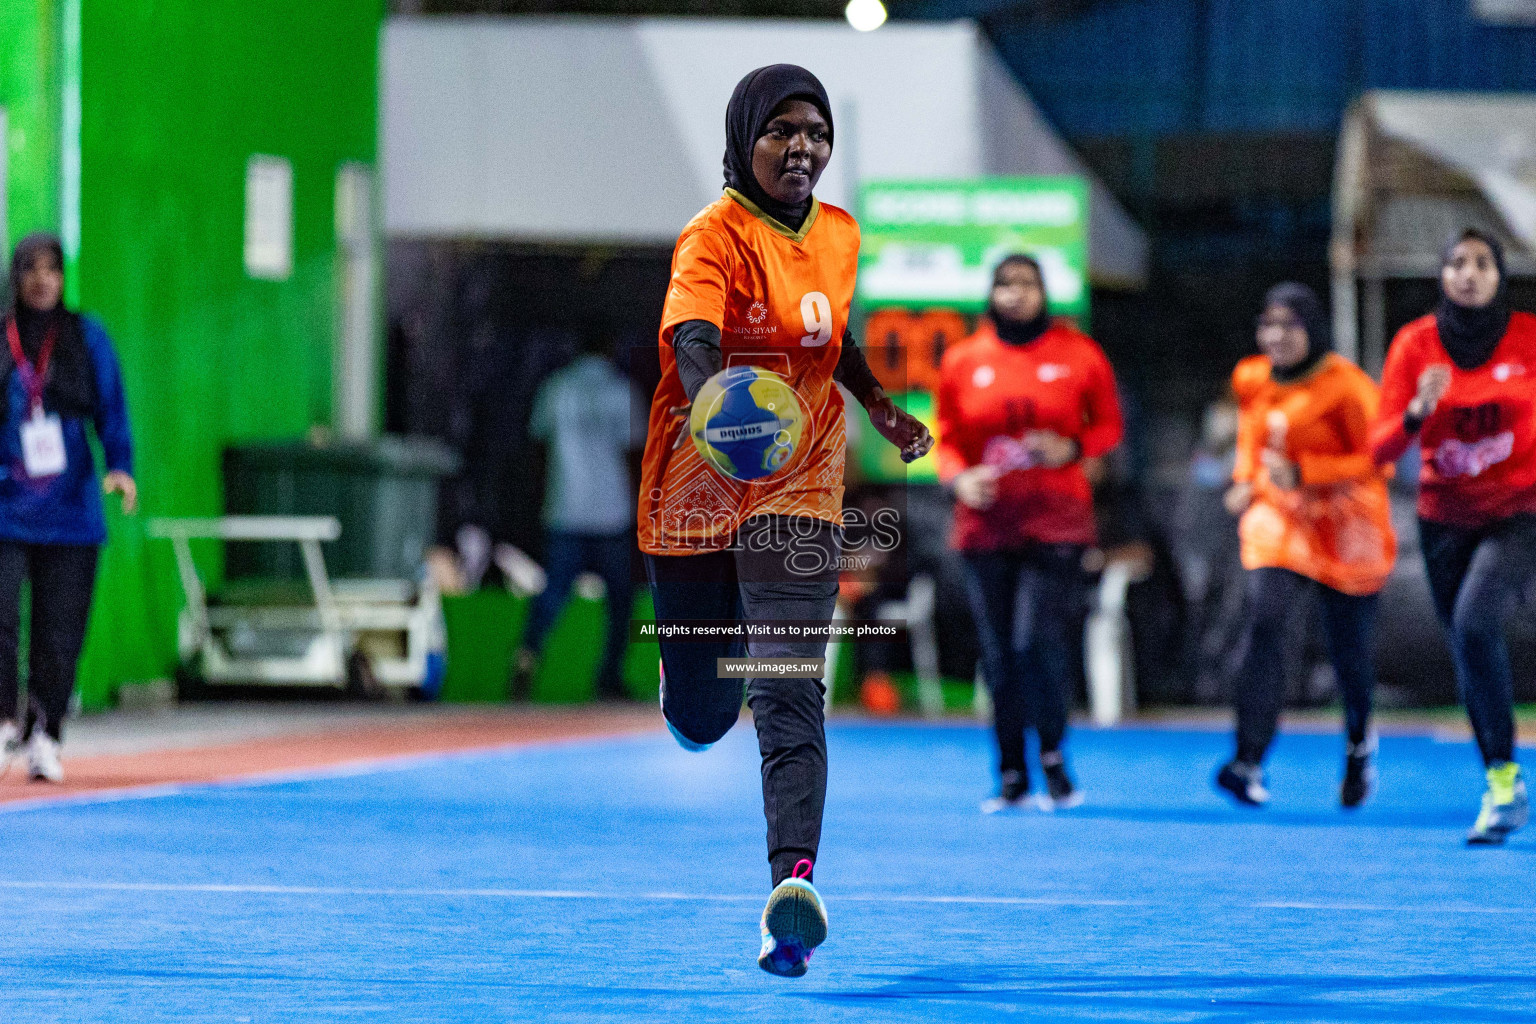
x: 60, y: 376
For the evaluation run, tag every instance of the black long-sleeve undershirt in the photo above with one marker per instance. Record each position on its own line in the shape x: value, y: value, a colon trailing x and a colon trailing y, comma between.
x: 696, y: 346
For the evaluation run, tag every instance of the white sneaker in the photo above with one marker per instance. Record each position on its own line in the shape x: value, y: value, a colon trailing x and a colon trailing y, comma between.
x: 43, y: 758
x: 10, y: 745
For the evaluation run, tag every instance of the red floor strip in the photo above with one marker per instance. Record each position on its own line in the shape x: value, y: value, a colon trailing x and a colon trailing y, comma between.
x: 338, y: 746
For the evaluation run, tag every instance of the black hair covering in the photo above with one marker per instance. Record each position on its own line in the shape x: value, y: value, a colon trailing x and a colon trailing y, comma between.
x: 1471, y: 333
x: 1019, y: 332
x: 746, y: 118
x: 71, y: 386
x: 1304, y: 306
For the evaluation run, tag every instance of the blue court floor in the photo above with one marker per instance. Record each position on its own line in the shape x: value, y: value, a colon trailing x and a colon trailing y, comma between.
x: 622, y: 880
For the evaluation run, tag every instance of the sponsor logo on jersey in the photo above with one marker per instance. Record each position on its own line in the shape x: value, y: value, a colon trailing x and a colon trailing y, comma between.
x: 983, y: 377
x: 1463, y: 458
x: 754, y: 327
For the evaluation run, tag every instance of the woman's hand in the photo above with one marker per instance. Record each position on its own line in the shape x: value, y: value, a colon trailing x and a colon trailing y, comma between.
x: 977, y: 487
x: 1051, y: 449
x: 118, y: 482
x: 898, y: 426
x: 1283, y: 473
x: 1238, y: 497
x: 1433, y: 383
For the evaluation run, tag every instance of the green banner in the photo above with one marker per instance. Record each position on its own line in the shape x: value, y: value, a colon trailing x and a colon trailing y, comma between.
x: 935, y: 243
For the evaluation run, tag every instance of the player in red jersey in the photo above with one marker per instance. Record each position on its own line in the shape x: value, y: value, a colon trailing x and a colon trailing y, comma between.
x: 1461, y: 382
x: 1020, y: 405
x: 763, y: 276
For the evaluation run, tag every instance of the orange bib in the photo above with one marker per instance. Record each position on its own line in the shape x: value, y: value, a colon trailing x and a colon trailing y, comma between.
x: 781, y: 300
x: 1335, y: 527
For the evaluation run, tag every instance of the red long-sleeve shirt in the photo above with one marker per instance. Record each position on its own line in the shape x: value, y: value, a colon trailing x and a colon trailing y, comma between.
x: 1479, y: 461
x: 990, y: 395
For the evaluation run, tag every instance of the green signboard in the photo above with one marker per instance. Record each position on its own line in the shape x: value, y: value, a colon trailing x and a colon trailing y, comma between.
x: 935, y: 243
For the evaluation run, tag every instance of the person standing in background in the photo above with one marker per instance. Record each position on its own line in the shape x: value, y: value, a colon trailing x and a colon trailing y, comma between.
x: 1315, y: 519
x: 1020, y: 406
x: 1459, y: 381
x: 60, y: 375
x: 590, y: 420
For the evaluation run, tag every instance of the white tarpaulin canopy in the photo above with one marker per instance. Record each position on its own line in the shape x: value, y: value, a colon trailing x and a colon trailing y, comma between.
x: 612, y: 130
x: 1413, y: 168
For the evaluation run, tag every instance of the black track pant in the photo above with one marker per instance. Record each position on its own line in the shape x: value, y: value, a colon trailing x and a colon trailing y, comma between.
x: 1477, y: 576
x: 63, y: 578
x: 1028, y: 605
x: 1349, y: 624
x: 782, y: 568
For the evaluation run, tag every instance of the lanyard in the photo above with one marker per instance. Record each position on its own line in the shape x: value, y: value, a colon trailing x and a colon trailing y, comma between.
x: 32, y: 377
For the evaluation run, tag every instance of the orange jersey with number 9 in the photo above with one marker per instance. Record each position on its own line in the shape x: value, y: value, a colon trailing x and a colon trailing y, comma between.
x: 781, y: 300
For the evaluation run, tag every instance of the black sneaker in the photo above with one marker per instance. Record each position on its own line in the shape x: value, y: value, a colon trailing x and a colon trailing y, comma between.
x: 1245, y: 782
x: 611, y: 690
x: 520, y: 683
x: 1014, y: 792
x: 1062, y: 793
x: 1359, y: 773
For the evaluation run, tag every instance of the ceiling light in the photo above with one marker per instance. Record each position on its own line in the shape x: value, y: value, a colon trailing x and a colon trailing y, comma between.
x: 865, y: 15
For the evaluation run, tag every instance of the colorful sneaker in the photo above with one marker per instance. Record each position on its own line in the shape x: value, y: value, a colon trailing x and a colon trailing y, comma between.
x: 683, y: 741
x: 794, y: 924
x: 1359, y: 773
x: 10, y: 745
x: 1505, y: 807
x: 1060, y: 793
x: 1245, y: 782
x: 1014, y: 793
x: 43, y: 758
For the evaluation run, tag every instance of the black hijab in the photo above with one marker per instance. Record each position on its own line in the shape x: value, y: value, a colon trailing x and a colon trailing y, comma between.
x: 71, y: 386
x: 1019, y: 332
x: 1304, y: 306
x: 1471, y: 333
x: 752, y: 105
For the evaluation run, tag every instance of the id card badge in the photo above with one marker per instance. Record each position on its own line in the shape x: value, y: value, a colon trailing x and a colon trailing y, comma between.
x: 42, y: 445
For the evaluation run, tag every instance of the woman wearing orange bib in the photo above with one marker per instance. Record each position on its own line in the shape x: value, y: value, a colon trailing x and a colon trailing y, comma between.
x: 763, y: 278
x: 1314, y: 520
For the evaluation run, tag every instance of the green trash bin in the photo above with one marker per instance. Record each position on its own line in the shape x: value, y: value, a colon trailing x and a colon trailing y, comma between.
x: 383, y: 491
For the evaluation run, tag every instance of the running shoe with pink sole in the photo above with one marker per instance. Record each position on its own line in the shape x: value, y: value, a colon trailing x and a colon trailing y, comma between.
x: 794, y: 924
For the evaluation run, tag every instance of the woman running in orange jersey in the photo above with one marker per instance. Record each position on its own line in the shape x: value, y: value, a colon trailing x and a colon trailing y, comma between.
x: 763, y: 276
x: 1460, y: 381
x: 1314, y: 520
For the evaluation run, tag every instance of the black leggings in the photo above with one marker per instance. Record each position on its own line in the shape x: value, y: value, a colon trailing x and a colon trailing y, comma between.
x: 63, y: 579
x: 1349, y: 625
x: 1477, y: 576
x: 1028, y: 605
x: 781, y: 568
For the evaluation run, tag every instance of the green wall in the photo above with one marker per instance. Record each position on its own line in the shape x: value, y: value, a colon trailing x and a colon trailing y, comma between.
x: 29, y: 90
x: 176, y: 95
